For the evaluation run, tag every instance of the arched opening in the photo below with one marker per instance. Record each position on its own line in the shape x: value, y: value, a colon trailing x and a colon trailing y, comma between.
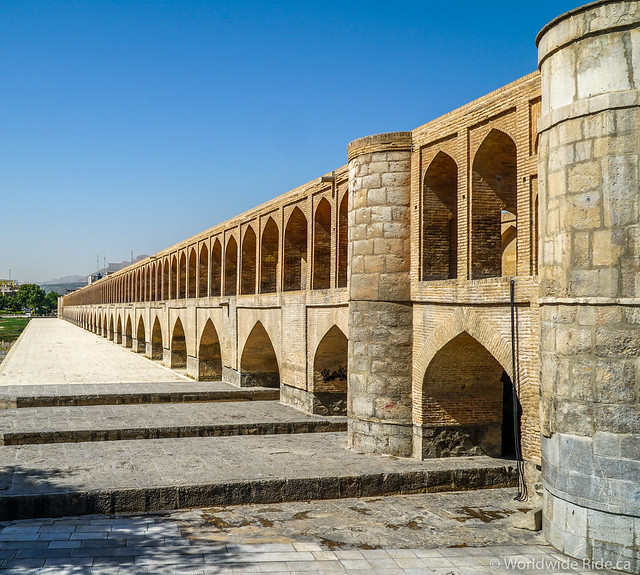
x: 105, y: 327
x: 110, y: 333
x: 203, y: 272
x: 154, y: 284
x: 295, y: 252
x: 119, y: 330
x: 210, y: 359
x: 128, y: 334
x: 149, y: 284
x: 330, y: 374
x: 440, y: 219
x: 259, y: 365
x: 494, y: 191
x: 269, y: 257
x: 248, y: 263
x: 343, y: 239
x: 182, y: 278
x: 216, y: 269
x: 231, y: 267
x: 174, y: 278
x: 508, y: 244
x: 156, y: 340
x: 464, y: 411
x: 322, y: 246
x: 178, y: 346
x: 191, y: 282
x: 140, y: 339
x: 165, y: 280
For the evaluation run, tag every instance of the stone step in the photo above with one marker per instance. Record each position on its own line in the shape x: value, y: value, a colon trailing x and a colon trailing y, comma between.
x: 54, y: 395
x: 155, y: 421
x: 152, y: 475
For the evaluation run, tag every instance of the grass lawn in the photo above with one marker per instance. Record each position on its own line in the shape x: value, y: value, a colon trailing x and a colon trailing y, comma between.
x: 11, y: 327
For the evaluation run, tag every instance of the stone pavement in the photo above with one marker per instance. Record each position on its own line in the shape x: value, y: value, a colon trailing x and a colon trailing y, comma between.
x: 51, y: 350
x: 114, y: 422
x: 436, y: 534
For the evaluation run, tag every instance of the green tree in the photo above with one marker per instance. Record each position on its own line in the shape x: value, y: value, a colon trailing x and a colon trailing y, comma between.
x: 30, y: 295
x: 51, y: 302
x: 3, y: 301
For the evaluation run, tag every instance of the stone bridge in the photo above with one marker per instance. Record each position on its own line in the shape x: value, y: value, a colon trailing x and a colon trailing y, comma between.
x: 356, y: 292
x: 405, y: 288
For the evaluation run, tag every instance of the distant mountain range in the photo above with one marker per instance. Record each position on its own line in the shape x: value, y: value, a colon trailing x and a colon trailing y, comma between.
x: 111, y: 268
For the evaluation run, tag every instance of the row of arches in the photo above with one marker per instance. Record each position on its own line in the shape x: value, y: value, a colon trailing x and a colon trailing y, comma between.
x: 468, y: 407
x: 493, y: 212
x: 258, y: 364
x: 248, y: 265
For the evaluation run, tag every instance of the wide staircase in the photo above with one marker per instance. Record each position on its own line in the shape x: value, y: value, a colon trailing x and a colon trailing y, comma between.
x: 100, y: 443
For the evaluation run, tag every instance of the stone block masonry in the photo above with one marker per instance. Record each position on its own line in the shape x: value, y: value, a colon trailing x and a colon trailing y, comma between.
x: 590, y: 281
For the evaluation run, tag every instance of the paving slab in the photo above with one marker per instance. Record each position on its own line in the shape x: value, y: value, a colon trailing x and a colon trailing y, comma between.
x: 55, y: 395
x: 464, y: 533
x: 51, y: 350
x: 57, y: 479
x: 154, y: 421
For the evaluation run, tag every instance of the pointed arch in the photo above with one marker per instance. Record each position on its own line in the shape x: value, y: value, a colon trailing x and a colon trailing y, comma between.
x: 165, y: 280
x: 182, y: 277
x: 295, y: 252
x: 248, y: 262
x: 259, y: 364
x: 440, y: 219
x: 463, y: 405
x: 330, y: 372
x: 178, y: 346
x: 322, y: 246
x: 128, y: 333
x: 494, y: 190
x: 140, y: 346
x: 110, y: 332
x: 343, y: 239
x: 231, y: 267
x: 119, y: 330
x: 203, y: 272
x: 174, y: 277
x: 269, y: 257
x: 191, y: 275
x: 148, y: 283
x: 156, y: 340
x: 154, y: 284
x: 216, y: 269
x: 209, y: 355
x: 508, y: 244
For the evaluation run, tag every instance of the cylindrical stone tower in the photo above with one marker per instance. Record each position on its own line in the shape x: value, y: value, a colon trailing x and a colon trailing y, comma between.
x: 590, y: 281
x: 380, y: 314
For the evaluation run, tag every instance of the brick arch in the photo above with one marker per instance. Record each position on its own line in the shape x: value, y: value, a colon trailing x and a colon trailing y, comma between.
x: 209, y: 353
x: 157, y: 350
x: 118, y: 335
x: 440, y: 218
x: 481, y: 134
x: 463, y: 321
x: 330, y: 363
x: 178, y: 345
x: 259, y: 362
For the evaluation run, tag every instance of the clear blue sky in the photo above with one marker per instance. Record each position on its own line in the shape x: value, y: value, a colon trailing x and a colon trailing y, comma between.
x: 135, y: 124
